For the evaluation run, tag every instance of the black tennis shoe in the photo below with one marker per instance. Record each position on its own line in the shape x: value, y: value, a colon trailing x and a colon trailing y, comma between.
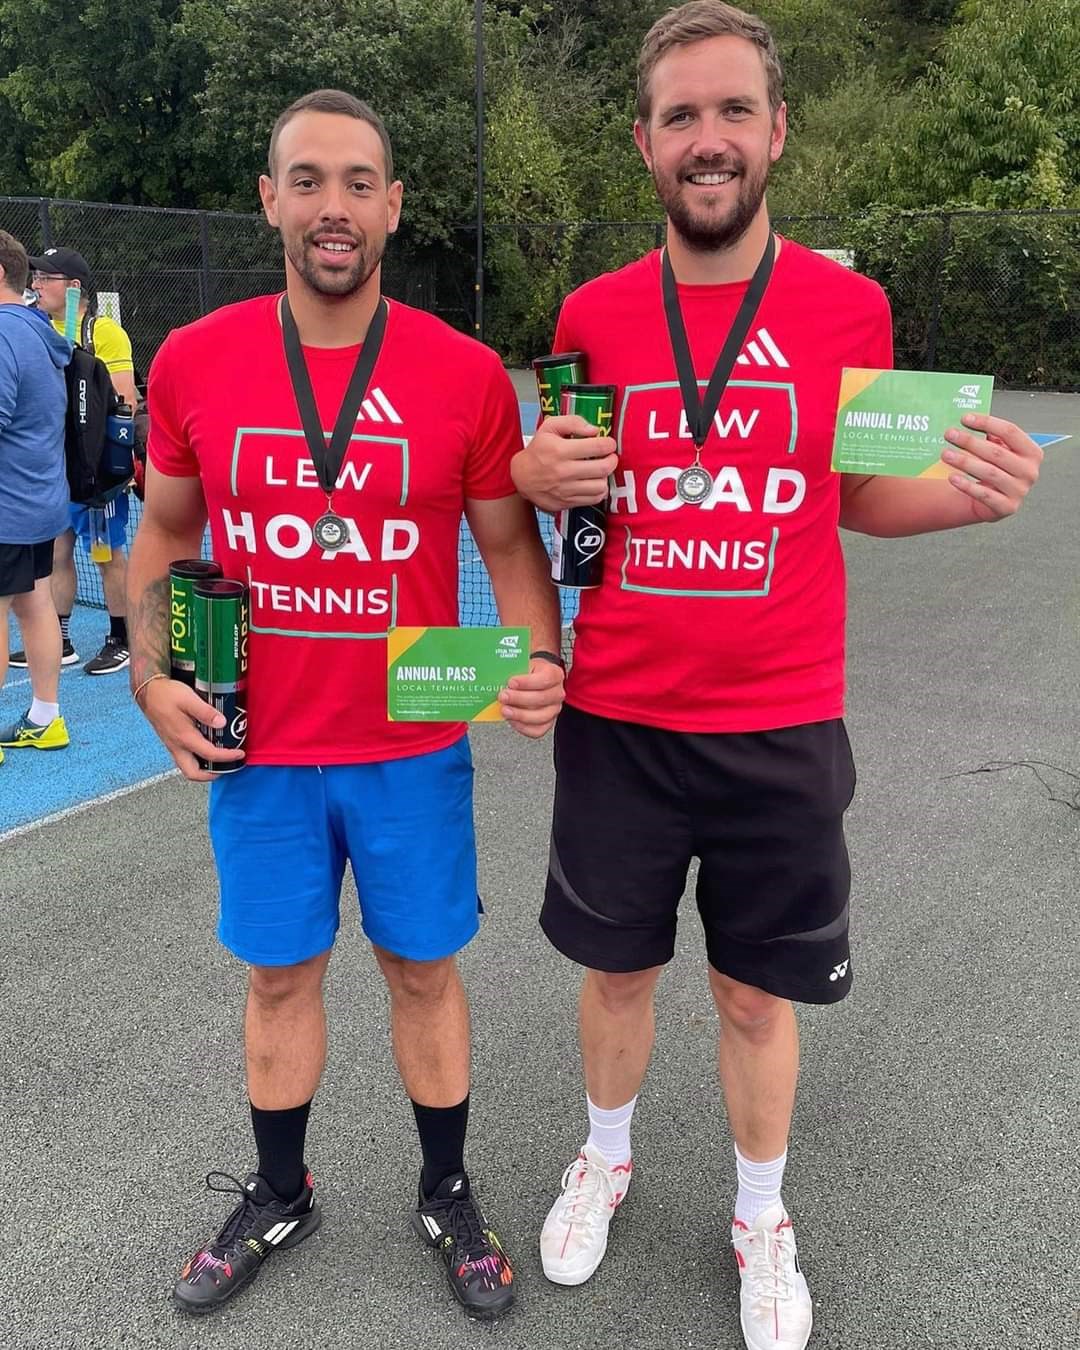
x: 260, y: 1224
x: 476, y: 1265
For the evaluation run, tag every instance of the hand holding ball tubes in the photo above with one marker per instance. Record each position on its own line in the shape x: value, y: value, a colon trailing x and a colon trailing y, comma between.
x: 566, y: 463
x: 176, y: 712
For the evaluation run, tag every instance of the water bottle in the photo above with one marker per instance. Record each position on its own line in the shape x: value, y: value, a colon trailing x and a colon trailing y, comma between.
x: 100, y: 542
x: 118, y: 461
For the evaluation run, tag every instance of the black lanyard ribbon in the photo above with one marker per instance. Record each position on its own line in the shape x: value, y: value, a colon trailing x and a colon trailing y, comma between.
x: 326, y: 457
x: 699, y: 414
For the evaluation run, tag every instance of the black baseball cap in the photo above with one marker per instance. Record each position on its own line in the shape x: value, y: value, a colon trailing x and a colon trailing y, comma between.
x: 64, y: 262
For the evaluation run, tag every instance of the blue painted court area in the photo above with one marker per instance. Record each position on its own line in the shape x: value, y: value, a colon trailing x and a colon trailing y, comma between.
x: 111, y: 747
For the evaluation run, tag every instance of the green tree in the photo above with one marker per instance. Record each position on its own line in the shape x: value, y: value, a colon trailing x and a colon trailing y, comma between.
x: 412, y: 60
x: 102, y: 94
x: 998, y: 123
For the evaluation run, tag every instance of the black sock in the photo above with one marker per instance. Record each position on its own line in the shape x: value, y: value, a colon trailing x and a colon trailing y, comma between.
x: 279, y: 1137
x: 118, y: 629
x: 442, y: 1142
x: 65, y: 626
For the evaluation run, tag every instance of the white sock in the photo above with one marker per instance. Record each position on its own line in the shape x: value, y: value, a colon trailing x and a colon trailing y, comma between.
x: 41, y: 714
x: 759, y: 1186
x: 609, y: 1131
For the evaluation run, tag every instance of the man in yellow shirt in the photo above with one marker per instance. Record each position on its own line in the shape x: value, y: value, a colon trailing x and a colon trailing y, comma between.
x: 53, y: 272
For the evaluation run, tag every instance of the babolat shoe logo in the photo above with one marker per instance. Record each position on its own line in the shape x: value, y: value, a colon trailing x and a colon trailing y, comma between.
x: 838, y: 972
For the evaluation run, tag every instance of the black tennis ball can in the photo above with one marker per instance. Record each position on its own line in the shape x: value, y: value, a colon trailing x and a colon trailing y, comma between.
x: 577, y: 553
x: 221, y: 664
x: 183, y: 575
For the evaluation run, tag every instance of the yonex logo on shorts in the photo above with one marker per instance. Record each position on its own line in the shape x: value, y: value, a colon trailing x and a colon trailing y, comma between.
x: 838, y: 972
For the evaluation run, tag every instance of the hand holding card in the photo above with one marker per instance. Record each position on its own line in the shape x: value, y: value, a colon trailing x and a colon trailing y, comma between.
x: 894, y: 421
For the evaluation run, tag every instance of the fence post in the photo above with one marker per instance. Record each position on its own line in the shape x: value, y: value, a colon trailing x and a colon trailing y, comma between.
x: 935, y: 313
x: 204, y: 271
x: 45, y: 222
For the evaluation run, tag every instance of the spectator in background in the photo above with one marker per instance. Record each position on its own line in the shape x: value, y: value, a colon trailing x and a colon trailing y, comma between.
x: 54, y: 272
x: 33, y: 495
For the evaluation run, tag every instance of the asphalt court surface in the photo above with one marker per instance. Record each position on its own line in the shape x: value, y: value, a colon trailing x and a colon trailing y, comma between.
x: 933, y: 1166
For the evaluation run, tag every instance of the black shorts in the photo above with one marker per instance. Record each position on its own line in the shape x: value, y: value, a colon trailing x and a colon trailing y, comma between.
x: 762, y: 810
x: 23, y: 564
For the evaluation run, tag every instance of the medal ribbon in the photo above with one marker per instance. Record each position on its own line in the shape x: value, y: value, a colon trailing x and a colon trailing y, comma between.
x: 699, y: 414
x: 327, y: 458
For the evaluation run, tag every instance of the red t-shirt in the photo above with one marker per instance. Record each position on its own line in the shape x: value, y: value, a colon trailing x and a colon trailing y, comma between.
x: 729, y: 615
x: 439, y: 424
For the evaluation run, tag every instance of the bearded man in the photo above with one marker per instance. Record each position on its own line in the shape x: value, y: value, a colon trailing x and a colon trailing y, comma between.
x: 705, y: 704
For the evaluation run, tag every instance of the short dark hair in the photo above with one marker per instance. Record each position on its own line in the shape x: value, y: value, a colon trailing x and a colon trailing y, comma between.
x: 14, y: 261
x: 696, y: 22
x: 333, y: 101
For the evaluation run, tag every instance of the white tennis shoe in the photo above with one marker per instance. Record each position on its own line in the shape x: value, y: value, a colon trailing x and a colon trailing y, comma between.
x: 774, y: 1303
x: 575, y: 1233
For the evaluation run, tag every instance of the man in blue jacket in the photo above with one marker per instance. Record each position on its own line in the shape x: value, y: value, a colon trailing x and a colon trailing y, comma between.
x: 33, y: 496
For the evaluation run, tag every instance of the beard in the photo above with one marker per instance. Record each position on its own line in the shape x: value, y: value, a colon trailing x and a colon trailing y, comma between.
x: 709, y: 227
x: 340, y: 282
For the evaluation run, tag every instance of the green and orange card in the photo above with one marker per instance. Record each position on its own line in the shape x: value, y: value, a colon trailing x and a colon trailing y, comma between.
x: 451, y: 674
x: 894, y: 421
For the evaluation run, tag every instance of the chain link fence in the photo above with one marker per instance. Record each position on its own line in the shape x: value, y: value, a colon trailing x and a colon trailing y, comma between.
x: 170, y: 267
x: 981, y: 291
x: 993, y: 291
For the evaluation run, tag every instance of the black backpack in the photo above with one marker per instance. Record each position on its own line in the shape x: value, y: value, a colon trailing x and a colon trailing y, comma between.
x: 91, y: 401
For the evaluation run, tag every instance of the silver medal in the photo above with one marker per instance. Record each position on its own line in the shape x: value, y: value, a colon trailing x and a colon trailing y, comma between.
x: 694, y: 484
x: 331, y: 532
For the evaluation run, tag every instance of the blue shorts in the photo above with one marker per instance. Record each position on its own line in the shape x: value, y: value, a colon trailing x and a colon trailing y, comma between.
x: 118, y: 522
x: 282, y: 834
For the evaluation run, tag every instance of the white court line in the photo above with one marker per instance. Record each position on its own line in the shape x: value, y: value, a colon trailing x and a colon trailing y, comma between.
x: 32, y: 825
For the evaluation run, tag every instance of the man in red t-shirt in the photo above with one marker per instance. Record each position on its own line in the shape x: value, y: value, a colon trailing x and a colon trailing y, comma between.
x: 704, y: 708
x: 335, y: 489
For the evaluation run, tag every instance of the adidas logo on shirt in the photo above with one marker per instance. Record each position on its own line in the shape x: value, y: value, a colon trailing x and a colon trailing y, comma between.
x: 761, y: 350
x: 378, y: 408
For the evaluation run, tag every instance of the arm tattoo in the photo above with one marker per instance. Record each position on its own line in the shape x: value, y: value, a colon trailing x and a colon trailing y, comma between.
x: 150, y: 651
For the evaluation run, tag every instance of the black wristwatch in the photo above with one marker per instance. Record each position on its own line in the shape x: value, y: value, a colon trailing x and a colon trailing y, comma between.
x: 553, y: 657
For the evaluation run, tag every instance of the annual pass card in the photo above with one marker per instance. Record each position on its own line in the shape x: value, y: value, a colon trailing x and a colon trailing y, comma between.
x: 894, y: 421
x: 451, y: 674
